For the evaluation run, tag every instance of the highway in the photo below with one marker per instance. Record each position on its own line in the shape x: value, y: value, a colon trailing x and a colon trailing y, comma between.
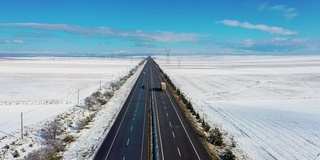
x: 128, y: 138
x: 176, y: 137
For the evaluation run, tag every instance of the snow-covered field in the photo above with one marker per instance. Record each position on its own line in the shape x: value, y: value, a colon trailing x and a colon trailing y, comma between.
x: 42, y: 88
x: 61, y: 75
x: 269, y: 104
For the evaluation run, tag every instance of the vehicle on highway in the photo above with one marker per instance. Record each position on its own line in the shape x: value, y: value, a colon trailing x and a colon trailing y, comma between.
x: 142, y: 87
x: 163, y: 86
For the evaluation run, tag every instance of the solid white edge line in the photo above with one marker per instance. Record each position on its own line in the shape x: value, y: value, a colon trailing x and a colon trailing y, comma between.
x: 139, y: 78
x: 183, y: 126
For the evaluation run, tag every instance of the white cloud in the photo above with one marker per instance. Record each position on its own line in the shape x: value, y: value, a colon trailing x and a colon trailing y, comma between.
x: 282, y: 9
x: 18, y: 41
x: 30, y: 52
x: 283, y: 45
x: 262, y: 27
x: 8, y: 41
x: 144, y: 44
x: 151, y: 36
x: 263, y: 6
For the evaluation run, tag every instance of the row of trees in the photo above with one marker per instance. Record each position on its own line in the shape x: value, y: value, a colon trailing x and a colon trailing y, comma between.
x: 214, y: 135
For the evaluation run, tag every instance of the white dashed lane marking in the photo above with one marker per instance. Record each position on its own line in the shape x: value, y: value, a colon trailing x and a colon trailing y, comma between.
x: 179, y: 151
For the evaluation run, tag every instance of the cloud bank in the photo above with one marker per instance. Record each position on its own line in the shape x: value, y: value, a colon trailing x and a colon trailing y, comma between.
x: 262, y: 27
x: 148, y: 36
x: 8, y: 41
x: 283, y: 45
x: 282, y: 9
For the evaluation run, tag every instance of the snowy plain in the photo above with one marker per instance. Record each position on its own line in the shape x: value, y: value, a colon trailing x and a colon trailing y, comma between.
x: 269, y: 104
x: 43, y: 88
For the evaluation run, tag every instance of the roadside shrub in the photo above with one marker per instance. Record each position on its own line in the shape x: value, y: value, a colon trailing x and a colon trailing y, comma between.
x: 102, y: 101
x: 183, y: 99
x: 190, y: 107
x: 68, y: 139
x: 178, y: 92
x: 233, y: 142
x: 6, y: 147
x: 115, y: 86
x: 228, y: 155
x: 96, y: 94
x: 82, y: 123
x: 57, y: 145
x: 89, y: 102
x: 197, y: 116
x: 108, y: 94
x: 206, y: 127
x: 43, y: 153
x: 16, y: 154
x: 215, y: 137
x: 52, y: 130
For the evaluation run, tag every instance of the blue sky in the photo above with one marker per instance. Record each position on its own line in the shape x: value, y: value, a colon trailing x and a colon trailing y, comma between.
x: 207, y: 27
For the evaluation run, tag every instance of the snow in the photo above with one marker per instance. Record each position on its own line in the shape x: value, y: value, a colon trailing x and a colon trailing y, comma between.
x: 89, y: 140
x: 35, y: 85
x: 44, y: 88
x: 268, y: 104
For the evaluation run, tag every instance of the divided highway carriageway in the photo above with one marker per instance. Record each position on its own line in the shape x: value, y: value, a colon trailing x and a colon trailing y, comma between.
x: 151, y: 125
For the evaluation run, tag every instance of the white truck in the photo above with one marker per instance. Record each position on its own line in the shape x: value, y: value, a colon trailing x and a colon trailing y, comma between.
x: 163, y: 86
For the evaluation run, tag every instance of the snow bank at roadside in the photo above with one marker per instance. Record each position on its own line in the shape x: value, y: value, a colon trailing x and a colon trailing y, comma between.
x: 89, y: 139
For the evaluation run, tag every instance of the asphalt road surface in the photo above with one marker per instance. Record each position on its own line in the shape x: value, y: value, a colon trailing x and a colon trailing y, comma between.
x: 128, y: 137
x: 176, y: 137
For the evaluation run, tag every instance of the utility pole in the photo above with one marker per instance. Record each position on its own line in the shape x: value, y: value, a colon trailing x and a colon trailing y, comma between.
x: 168, y: 56
x: 21, y: 125
x: 78, y: 97
x: 179, y: 59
